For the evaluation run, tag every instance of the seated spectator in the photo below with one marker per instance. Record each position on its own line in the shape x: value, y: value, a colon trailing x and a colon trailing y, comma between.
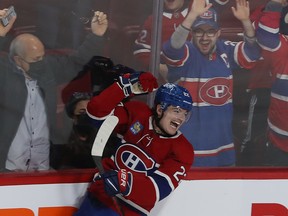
x: 77, y: 152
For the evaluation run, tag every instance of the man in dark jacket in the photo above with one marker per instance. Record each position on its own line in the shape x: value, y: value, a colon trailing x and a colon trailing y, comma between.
x: 28, y: 85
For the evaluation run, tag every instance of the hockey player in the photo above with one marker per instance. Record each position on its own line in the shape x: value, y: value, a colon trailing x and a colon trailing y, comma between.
x: 153, y: 156
x: 272, y: 34
x: 205, y: 67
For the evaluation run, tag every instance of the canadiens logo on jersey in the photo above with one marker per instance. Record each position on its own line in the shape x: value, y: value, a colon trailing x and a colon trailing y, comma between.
x: 136, y: 127
x: 129, y: 156
x: 216, y: 91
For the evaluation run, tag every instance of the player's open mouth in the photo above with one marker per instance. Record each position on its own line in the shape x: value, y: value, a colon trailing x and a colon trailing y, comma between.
x: 175, y: 124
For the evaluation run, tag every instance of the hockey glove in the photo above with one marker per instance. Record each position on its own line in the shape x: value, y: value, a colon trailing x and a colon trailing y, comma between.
x: 116, y: 182
x: 138, y: 83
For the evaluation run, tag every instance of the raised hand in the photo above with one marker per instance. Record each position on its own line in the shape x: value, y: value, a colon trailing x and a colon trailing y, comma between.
x: 242, y: 10
x: 198, y: 7
x: 99, y: 23
x: 242, y: 13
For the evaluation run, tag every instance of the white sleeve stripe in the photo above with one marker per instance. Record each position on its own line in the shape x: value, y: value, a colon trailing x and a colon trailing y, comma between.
x: 157, y: 193
x: 282, y: 76
x: 245, y: 56
x: 277, y: 129
x: 236, y: 53
x: 279, y: 97
x: 112, y: 185
x: 268, y: 29
x: 99, y: 118
x: 143, y: 44
x: 270, y: 49
x: 141, y: 51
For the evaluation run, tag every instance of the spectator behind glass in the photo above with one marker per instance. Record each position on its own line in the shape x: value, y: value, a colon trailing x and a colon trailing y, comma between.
x: 272, y: 35
x: 204, y: 66
x: 77, y: 152
x: 28, y: 82
x: 67, y: 22
x: 253, y: 146
x: 173, y: 14
x: 152, y: 154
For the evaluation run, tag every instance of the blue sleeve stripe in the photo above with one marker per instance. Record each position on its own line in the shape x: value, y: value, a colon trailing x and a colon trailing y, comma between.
x: 163, y: 184
x: 281, y: 87
x: 268, y: 40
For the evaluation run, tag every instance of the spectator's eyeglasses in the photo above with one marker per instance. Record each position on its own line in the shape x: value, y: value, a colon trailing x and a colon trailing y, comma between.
x: 84, y: 19
x: 201, y: 32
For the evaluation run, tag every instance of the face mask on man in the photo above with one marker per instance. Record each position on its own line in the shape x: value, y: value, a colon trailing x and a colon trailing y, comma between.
x: 36, y: 69
x: 83, y: 128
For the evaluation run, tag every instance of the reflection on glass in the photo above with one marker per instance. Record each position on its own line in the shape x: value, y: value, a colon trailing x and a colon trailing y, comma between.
x: 84, y: 20
x: 57, y: 25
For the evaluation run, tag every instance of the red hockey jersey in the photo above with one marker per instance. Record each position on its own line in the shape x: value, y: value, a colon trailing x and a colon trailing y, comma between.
x: 143, y: 43
x: 276, y: 46
x: 158, y: 163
